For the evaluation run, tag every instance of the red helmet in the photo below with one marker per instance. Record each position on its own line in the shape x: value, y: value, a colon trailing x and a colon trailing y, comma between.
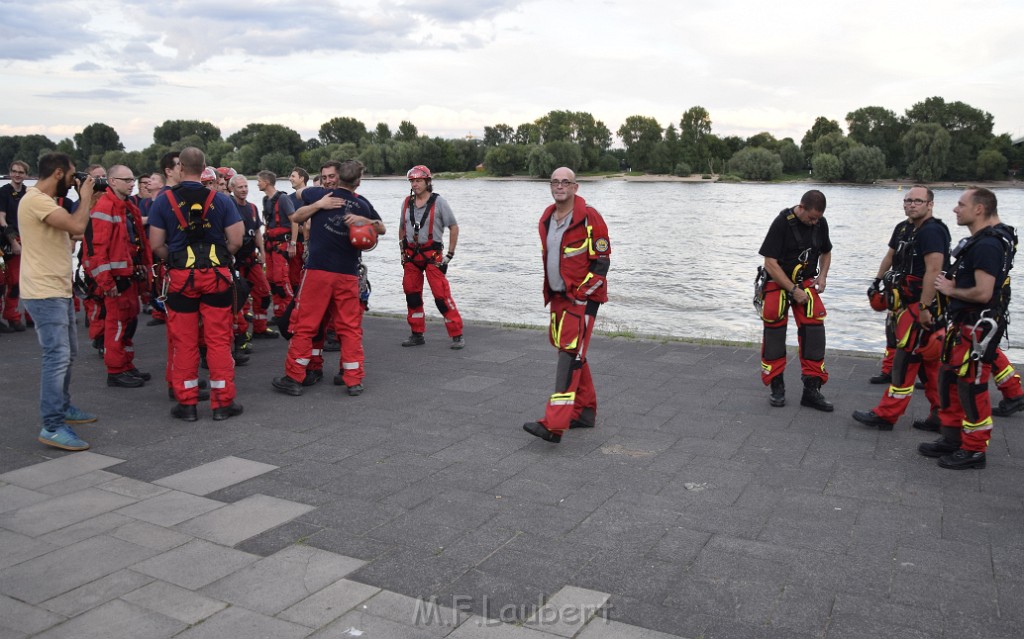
x: 931, y: 349
x: 227, y: 172
x: 363, y: 237
x: 208, y: 175
x: 877, y: 300
x: 418, y: 171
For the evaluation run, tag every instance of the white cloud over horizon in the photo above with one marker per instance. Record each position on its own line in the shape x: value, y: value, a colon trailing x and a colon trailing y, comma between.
x: 453, y: 68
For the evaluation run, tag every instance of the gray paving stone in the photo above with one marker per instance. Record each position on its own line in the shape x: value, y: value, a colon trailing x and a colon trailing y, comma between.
x: 96, y: 593
x: 323, y: 607
x: 116, y: 620
x: 472, y: 383
x: 132, y: 488
x: 59, y: 512
x: 358, y: 623
x: 205, y: 479
x: 22, y: 617
x: 67, y: 568
x: 147, y: 535
x: 16, y: 548
x: 483, y: 628
x: 567, y: 611
x: 13, y: 497
x: 424, y: 614
x: 174, y: 602
x: 84, y: 529
x: 76, y: 483
x: 602, y: 629
x: 243, y: 519
x: 195, y: 564
x: 239, y: 623
x: 272, y: 584
x: 170, y: 508
x: 55, y: 470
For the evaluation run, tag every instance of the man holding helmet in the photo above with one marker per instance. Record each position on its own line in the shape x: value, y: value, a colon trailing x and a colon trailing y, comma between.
x: 425, y: 216
x: 332, y: 274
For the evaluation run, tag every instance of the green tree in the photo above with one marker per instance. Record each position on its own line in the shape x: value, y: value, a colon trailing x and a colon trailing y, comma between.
x: 826, y: 167
x: 792, y: 157
x: 926, y: 147
x: 639, y: 134
x: 406, y: 132
x: 263, y: 139
x: 565, y: 153
x: 341, y: 129
x: 863, y: 164
x: 756, y: 163
x: 833, y: 144
x: 278, y: 162
x: 880, y: 127
x: 991, y: 165
x: 372, y: 158
x: 29, y: 148
x: 527, y: 133
x: 970, y: 131
x: 539, y: 162
x: 95, y: 140
x: 694, y: 129
x: 673, y: 146
x: 217, y: 149
x: 822, y: 126
x: 763, y: 139
x: 503, y: 160
x: 498, y: 134
x: 382, y: 133
x: 171, y: 131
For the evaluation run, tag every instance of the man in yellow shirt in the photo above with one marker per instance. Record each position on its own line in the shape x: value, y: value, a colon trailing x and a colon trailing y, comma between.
x: 46, y: 276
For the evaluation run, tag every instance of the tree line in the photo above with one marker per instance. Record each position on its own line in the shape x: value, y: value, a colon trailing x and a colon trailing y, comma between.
x: 933, y: 140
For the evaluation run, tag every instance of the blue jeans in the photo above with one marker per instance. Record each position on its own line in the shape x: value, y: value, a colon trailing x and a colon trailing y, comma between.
x: 58, y: 336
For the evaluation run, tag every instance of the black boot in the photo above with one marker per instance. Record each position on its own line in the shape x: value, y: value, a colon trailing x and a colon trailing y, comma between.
x: 812, y: 396
x: 962, y: 459
x: 778, y: 396
x: 946, y: 445
x: 931, y: 424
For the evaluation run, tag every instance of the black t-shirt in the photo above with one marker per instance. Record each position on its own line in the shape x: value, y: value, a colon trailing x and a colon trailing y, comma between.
x: 985, y: 254
x: 329, y: 246
x: 932, y: 237
x: 9, y: 199
x: 787, y: 238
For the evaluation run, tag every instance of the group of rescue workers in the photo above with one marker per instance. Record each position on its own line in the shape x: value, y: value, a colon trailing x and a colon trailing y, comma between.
x: 192, y: 247
x: 945, y: 319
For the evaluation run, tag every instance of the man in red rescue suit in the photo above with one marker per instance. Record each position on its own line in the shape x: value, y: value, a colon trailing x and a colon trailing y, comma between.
x: 277, y: 213
x: 10, y: 196
x: 797, y: 254
x: 425, y: 215
x: 331, y: 278
x: 117, y: 257
x: 920, y: 254
x: 977, y: 288
x: 196, y: 231
x: 250, y: 257
x: 576, y: 254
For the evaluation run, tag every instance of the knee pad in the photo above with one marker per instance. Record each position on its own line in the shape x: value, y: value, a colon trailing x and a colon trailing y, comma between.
x: 774, y: 344
x: 968, y: 393
x: 224, y: 299
x: 813, y: 342
x: 265, y: 301
x: 182, y: 304
x: 946, y: 380
x: 441, y: 305
x: 414, y: 300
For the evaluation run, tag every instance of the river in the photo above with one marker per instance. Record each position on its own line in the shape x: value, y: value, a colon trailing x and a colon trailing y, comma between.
x: 684, y: 255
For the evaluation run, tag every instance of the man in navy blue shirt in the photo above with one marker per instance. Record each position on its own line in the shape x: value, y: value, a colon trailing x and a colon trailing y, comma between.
x: 332, y: 275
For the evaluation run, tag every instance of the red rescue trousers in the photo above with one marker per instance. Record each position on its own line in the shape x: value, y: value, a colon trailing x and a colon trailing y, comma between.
x: 95, y: 313
x: 278, y: 275
x: 810, y: 323
x: 572, y: 324
x: 11, y: 293
x: 319, y: 291
x: 295, y: 265
x: 259, y: 290
x: 412, y: 284
x: 963, y: 390
x: 122, y: 318
x: 208, y: 294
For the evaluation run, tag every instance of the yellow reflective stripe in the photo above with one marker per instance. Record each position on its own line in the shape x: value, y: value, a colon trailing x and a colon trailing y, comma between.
x: 562, y: 399
x: 191, y: 259
x: 809, y: 306
x: 590, y: 240
x: 766, y: 368
x: 985, y: 424
x: 901, y: 392
x: 1004, y: 374
x: 555, y: 330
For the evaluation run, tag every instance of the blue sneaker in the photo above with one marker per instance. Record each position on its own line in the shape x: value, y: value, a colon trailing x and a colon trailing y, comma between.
x: 78, y: 416
x: 63, y: 438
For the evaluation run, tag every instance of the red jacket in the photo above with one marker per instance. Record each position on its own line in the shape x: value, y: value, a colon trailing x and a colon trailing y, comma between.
x: 585, y: 253
x: 109, y: 249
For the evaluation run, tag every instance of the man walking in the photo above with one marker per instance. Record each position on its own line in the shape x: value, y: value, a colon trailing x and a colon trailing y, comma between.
x: 576, y: 254
x: 46, y: 231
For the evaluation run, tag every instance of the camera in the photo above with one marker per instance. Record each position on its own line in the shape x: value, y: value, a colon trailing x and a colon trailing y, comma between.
x: 98, y: 184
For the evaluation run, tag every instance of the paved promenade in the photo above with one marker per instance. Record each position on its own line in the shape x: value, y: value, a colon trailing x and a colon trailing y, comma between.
x: 422, y: 509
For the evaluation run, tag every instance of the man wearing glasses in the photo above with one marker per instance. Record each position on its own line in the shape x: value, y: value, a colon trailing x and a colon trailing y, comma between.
x: 918, y: 252
x: 576, y: 255
x: 118, y: 257
x: 10, y: 195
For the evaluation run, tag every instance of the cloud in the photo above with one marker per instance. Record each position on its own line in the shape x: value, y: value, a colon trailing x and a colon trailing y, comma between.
x: 86, y: 66
x: 91, y: 94
x: 43, y: 30
x: 449, y: 12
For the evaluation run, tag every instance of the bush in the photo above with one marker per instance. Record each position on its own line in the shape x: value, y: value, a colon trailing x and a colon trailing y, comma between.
x: 756, y: 163
x: 683, y: 170
x: 609, y: 162
x: 826, y: 167
x: 864, y: 164
x: 991, y: 165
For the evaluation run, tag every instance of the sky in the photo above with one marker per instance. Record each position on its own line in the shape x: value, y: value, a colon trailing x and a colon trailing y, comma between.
x: 452, y: 68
